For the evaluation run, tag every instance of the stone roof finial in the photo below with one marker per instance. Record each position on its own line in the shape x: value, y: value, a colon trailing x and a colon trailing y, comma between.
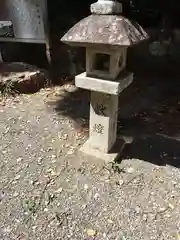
x: 106, y: 7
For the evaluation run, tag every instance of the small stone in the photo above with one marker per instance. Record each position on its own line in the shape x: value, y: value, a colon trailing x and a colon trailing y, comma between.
x: 86, y: 186
x: 96, y: 196
x: 110, y: 221
x: 121, y: 182
x: 7, y: 230
x: 65, y: 137
x: 130, y: 170
x: 2, y: 195
x: 59, y: 190
x: 100, y: 214
x: 17, y: 220
x: 67, y: 145
x: 145, y: 217
x: 138, y: 210
x: 163, y: 209
x: 91, y: 232
x: 174, y: 183
x: 34, y: 228
x: 17, y: 177
x: 16, y: 194
x: 51, y: 196
x: 105, y: 209
x: 53, y: 173
x: 107, y: 180
x: 71, y: 151
x: 32, y: 182
x: 37, y: 183
x: 53, y: 158
x: 14, y: 182
x: 70, y: 88
x: 7, y: 130
x: 78, y: 136
x: 40, y: 160
x: 104, y: 235
x: 161, y: 180
x: 49, y: 170
x: 171, y: 206
x: 48, y: 198
x: 46, y: 210
x: 19, y: 160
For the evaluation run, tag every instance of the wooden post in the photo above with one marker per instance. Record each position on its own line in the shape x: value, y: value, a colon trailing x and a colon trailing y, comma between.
x: 1, y: 58
x: 48, y: 42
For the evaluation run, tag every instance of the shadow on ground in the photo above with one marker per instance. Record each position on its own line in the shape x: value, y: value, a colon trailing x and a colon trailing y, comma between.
x: 149, y: 111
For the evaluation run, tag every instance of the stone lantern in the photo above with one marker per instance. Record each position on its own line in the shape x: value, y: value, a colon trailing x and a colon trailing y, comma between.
x: 106, y: 35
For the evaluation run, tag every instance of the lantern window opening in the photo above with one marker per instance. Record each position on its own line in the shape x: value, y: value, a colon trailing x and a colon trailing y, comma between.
x: 101, y: 62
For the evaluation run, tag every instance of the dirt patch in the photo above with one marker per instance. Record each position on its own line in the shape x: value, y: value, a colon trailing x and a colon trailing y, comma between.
x: 48, y: 190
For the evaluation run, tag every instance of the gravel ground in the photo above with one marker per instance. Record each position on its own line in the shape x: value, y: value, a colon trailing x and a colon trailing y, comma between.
x: 50, y: 191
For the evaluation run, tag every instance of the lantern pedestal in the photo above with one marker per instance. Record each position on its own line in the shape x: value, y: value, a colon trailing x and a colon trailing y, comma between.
x: 102, y: 141
x: 111, y: 156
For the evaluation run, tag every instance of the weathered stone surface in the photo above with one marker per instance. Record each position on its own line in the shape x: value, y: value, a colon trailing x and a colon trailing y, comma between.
x: 102, y: 142
x: 104, y: 86
x: 103, y: 115
x: 23, y: 78
x: 106, y: 7
x: 103, y: 121
x: 105, y: 157
x: 110, y: 30
x: 117, y: 62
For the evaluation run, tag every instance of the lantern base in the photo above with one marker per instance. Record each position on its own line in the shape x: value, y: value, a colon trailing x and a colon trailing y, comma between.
x: 111, y: 156
x: 104, y: 86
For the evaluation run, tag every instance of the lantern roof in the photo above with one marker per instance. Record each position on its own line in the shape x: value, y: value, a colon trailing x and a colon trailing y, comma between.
x: 112, y: 30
